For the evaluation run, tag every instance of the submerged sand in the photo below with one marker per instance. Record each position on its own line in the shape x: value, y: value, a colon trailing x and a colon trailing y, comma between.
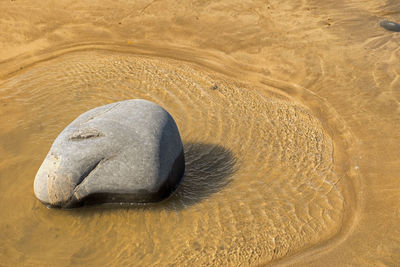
x: 289, y: 112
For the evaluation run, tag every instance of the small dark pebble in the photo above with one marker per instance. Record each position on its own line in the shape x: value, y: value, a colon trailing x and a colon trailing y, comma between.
x: 215, y: 87
x: 390, y: 26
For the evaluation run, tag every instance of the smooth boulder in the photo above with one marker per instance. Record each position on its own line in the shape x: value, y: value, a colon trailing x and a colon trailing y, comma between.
x: 129, y: 151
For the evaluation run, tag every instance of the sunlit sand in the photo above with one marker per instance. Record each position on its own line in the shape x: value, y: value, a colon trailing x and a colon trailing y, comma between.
x: 288, y: 111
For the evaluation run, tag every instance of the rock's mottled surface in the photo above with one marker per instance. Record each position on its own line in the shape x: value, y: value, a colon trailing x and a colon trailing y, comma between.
x: 128, y: 151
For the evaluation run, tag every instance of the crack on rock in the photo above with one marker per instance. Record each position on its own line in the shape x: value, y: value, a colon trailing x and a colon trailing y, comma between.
x: 88, y: 171
x: 101, y: 113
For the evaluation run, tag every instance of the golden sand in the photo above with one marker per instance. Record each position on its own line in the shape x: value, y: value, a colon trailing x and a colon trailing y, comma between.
x: 288, y: 110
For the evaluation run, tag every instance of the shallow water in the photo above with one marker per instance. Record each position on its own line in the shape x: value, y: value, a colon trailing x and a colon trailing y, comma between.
x: 290, y: 129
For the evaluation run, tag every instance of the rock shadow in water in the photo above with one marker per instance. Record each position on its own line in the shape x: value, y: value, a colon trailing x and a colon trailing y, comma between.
x: 209, y: 168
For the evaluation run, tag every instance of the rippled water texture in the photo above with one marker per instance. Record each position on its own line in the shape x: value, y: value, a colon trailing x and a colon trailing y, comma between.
x: 259, y: 182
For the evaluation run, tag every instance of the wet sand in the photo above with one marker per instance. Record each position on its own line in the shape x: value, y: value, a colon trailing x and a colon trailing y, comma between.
x: 289, y: 113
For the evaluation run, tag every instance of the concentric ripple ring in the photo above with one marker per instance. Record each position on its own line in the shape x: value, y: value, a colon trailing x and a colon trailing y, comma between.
x: 260, y: 181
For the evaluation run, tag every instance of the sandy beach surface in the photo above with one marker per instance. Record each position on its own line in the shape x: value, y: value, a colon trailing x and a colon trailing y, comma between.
x: 288, y: 110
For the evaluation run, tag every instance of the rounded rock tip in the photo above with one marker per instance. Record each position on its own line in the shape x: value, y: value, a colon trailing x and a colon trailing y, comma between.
x: 125, y: 152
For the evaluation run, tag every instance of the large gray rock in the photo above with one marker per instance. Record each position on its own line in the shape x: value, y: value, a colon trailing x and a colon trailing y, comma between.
x: 129, y: 151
